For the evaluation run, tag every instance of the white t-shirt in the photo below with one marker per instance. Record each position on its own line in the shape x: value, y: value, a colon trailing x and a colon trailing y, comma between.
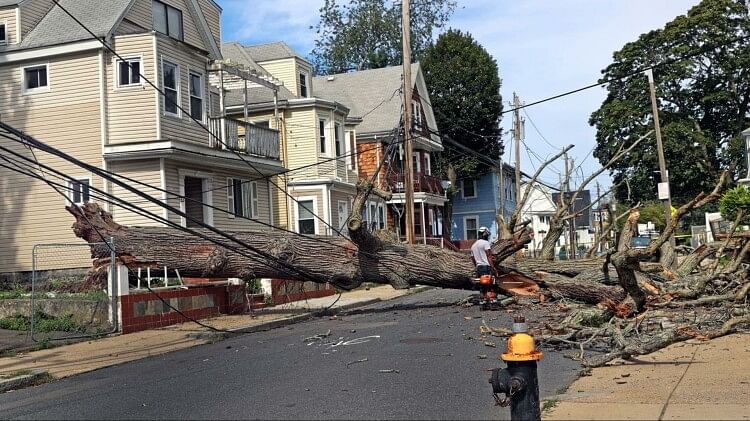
x: 479, y: 251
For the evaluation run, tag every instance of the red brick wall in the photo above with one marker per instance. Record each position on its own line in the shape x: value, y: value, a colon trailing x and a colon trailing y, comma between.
x: 147, y: 311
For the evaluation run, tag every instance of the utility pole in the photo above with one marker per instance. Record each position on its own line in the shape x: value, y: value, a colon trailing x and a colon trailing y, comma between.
x: 517, y: 138
x: 664, y: 193
x: 599, y: 213
x: 569, y: 167
x: 408, y: 171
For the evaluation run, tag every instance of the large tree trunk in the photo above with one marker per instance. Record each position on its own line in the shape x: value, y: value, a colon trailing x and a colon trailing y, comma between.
x: 550, y: 240
x: 273, y: 254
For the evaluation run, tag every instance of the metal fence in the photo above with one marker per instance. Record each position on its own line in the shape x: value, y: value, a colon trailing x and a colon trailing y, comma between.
x: 67, y: 300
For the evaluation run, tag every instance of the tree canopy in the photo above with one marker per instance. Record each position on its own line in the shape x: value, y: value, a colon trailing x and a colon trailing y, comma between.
x: 464, y: 87
x: 366, y: 34
x: 702, y: 79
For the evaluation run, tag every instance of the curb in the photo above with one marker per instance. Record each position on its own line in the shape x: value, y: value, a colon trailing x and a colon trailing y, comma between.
x: 26, y: 380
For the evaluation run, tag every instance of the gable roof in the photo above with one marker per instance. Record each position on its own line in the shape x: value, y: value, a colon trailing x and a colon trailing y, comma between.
x: 56, y: 27
x: 237, y: 53
x: 4, y: 3
x: 371, y: 95
x: 270, y: 51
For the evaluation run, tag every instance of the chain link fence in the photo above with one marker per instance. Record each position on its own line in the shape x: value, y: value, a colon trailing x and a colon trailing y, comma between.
x: 68, y: 299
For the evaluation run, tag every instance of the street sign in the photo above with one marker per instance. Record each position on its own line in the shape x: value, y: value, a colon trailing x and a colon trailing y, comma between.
x: 663, y: 191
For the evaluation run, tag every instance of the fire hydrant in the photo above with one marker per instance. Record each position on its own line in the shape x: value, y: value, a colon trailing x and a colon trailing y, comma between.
x: 518, y: 382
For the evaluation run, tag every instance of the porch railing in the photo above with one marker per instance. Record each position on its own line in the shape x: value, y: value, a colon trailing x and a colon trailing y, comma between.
x: 244, y: 137
x: 422, y: 183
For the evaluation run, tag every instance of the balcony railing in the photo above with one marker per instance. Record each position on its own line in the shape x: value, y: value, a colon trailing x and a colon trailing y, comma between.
x: 244, y: 137
x: 422, y: 183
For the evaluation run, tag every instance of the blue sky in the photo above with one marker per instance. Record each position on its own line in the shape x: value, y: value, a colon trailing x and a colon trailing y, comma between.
x: 543, y: 47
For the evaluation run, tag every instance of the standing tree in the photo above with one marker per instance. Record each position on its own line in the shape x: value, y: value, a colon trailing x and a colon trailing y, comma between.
x: 703, y: 88
x: 464, y: 87
x: 366, y: 34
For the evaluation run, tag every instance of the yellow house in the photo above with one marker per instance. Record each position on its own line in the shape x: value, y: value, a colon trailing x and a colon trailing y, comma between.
x: 318, y: 138
x: 65, y: 88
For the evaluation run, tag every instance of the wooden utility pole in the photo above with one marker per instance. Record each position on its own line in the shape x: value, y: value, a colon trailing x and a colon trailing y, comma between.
x: 664, y: 193
x: 599, y: 213
x: 569, y: 169
x: 517, y: 138
x: 408, y: 171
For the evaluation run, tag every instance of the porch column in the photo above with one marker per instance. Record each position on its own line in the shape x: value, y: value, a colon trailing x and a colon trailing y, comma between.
x: 222, y: 110
x: 424, y: 228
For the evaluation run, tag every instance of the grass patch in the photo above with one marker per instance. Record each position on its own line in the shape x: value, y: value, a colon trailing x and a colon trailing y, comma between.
x: 12, y: 294
x: 43, y: 322
x: 549, y: 405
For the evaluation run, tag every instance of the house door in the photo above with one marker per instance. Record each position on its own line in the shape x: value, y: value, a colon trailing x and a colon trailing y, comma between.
x: 194, y: 200
x: 343, y: 208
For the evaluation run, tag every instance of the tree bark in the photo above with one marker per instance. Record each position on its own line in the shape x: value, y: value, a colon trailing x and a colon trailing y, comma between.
x: 550, y: 240
x: 581, y: 290
x: 282, y: 255
x: 694, y: 259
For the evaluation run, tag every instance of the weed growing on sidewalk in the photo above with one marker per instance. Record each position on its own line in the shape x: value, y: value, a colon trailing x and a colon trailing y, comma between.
x: 43, y: 322
x: 550, y: 405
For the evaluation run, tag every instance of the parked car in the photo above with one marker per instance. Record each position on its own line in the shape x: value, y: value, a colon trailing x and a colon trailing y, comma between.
x: 642, y: 242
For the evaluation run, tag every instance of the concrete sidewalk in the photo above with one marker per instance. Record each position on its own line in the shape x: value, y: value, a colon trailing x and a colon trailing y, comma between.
x: 82, y: 357
x: 691, y: 380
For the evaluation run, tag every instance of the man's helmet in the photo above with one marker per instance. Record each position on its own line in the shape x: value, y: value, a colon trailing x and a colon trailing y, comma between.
x: 484, y: 230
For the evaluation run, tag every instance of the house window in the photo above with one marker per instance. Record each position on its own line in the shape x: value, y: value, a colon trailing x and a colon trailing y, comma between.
x: 469, y: 189
x: 381, y: 216
x: 427, y: 166
x: 129, y: 72
x: 352, y: 151
x: 337, y: 138
x: 196, y: 96
x: 35, y: 78
x: 78, y: 191
x: 416, y: 162
x: 3, y: 34
x: 373, y: 216
x: 416, y: 114
x: 242, y: 198
x: 171, y: 84
x: 322, y: 135
x: 470, y: 227
x: 167, y: 20
x: 305, y: 217
x: 303, y: 85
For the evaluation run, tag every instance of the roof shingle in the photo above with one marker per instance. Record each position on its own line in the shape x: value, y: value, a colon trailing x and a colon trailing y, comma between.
x: 271, y: 51
x: 99, y: 16
x: 369, y: 94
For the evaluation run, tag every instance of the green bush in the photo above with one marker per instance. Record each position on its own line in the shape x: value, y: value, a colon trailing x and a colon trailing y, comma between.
x: 43, y: 322
x: 734, y: 201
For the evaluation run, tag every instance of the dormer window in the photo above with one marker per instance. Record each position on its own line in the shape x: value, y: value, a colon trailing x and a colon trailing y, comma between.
x: 167, y: 20
x: 416, y: 115
x: 3, y: 33
x: 303, y: 85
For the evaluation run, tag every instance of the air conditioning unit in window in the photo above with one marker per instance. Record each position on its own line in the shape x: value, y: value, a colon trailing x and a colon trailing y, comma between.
x: 399, y: 184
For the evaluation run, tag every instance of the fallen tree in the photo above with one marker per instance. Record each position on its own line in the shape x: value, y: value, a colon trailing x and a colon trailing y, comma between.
x: 278, y: 254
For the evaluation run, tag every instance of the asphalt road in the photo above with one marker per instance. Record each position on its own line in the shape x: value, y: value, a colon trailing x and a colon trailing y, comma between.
x: 275, y: 374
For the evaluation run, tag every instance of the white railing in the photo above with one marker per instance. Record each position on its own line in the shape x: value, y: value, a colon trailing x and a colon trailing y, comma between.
x: 254, y: 141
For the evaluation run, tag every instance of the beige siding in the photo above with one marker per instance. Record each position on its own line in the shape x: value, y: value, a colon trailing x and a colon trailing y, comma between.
x: 132, y: 110
x: 8, y: 17
x: 182, y: 128
x: 32, y: 12
x: 285, y: 70
x: 175, y: 171
x: 213, y: 18
x: 146, y: 171
x: 127, y: 27
x: 67, y: 117
x: 301, y: 142
x: 141, y: 15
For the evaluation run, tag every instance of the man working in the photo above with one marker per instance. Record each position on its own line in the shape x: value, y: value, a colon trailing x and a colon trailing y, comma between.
x: 481, y: 255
